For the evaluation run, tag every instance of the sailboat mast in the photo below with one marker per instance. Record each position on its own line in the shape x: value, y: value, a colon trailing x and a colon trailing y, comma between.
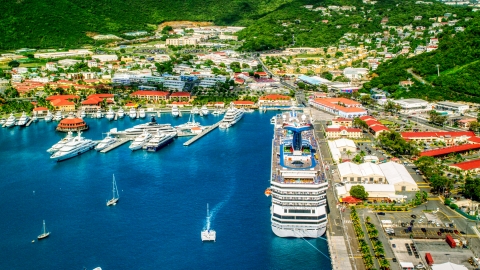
x: 113, y: 187
x: 43, y: 226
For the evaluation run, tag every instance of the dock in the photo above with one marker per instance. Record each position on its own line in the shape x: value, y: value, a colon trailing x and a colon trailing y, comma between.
x: 115, y: 145
x: 29, y: 122
x: 205, y: 132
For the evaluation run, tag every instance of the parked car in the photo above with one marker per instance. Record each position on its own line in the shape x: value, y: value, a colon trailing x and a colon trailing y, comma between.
x: 381, y: 213
x: 413, y: 216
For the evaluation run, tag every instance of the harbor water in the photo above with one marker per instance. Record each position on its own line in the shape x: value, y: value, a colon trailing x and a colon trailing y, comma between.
x: 163, y: 196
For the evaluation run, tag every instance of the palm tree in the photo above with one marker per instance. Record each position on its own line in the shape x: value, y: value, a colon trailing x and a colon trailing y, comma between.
x: 367, y: 220
x: 384, y: 263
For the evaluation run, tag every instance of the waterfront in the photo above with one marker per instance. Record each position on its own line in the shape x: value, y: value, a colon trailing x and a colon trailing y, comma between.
x: 162, y: 206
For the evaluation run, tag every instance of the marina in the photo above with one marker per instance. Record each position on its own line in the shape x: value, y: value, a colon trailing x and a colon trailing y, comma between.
x: 204, y: 132
x: 119, y: 142
x: 162, y: 194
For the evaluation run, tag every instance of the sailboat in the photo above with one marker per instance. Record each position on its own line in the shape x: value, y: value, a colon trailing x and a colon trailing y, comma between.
x: 45, y: 234
x: 207, y: 234
x: 115, y: 196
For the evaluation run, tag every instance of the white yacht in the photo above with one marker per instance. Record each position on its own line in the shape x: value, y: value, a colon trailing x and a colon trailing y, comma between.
x: 61, y: 143
x: 175, y: 111
x: 23, y: 120
x: 140, y: 141
x: 106, y: 142
x: 99, y: 114
x: 49, y: 116
x: 159, y: 140
x: 115, y: 197
x: 151, y: 127
x: 204, y: 110
x: 58, y: 116
x: 121, y: 113
x: 231, y: 117
x: 208, y: 234
x: 11, y: 120
x: 141, y: 113
x: 195, y: 110
x: 132, y: 113
x: 3, y: 121
x: 189, y: 125
x: 298, y: 184
x: 77, y: 146
x: 83, y: 114
x: 44, y: 234
x: 216, y: 113
x: 110, y: 115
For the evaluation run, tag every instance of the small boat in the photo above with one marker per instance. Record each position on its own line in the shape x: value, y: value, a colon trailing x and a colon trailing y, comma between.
x: 99, y: 114
x: 208, y: 234
x: 45, y: 234
x: 115, y: 197
x: 83, y: 114
x: 204, y: 110
x: 121, y: 113
x: 11, y: 120
x: 140, y: 141
x: 49, y: 116
x: 216, y: 112
x: 58, y: 116
x: 132, y: 113
x: 106, y: 142
x: 249, y: 110
x: 141, y: 113
x: 175, y: 111
x: 195, y: 110
x: 268, y: 192
x: 23, y: 120
x: 110, y: 114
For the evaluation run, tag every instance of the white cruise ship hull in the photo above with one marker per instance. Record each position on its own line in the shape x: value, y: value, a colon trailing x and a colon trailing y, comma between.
x: 298, y: 233
x: 74, y: 153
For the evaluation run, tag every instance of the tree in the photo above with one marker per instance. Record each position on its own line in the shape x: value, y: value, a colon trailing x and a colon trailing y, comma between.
x: 14, y: 64
x: 358, y: 191
x: 436, y: 119
x: 392, y: 107
x: 474, y: 126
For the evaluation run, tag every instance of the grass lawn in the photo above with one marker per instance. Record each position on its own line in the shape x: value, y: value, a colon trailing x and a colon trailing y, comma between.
x: 386, y: 122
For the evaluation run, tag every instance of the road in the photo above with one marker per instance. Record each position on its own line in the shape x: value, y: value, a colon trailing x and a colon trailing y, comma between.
x: 418, y: 77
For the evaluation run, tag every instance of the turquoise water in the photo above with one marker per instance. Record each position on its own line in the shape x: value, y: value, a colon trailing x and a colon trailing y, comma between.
x: 162, y: 207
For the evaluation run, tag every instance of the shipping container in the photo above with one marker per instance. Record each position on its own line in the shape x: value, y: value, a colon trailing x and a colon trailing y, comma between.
x: 428, y: 258
x: 450, y: 241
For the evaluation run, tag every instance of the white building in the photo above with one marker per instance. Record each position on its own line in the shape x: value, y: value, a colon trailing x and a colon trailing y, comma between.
x: 355, y: 73
x: 340, y: 146
x: 413, y: 105
x: 397, y: 175
x: 105, y: 57
x: 376, y: 192
x: 451, y: 106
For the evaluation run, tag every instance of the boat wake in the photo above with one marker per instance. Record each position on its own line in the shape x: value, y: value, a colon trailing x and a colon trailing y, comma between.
x: 211, y: 217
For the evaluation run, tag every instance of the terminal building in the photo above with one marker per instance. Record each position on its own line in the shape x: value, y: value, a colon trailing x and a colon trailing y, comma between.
x: 451, y: 106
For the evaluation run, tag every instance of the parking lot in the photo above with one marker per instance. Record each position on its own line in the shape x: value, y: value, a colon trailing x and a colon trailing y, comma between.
x: 441, y: 252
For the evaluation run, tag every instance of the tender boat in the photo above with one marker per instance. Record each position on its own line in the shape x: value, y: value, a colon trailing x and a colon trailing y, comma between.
x: 175, y: 111
x: 159, y: 140
x: 115, y: 197
x: 110, y: 115
x: 140, y: 141
x: 49, y: 116
x: 141, y: 113
x: 58, y: 116
x: 195, y: 110
x: 106, y: 142
x: 44, y: 234
x: 61, y: 143
x: 99, y: 114
x: 132, y: 113
x: 23, y: 120
x: 231, y: 117
x: 77, y: 146
x: 11, y: 120
x: 204, y: 110
x: 121, y: 113
x: 207, y: 234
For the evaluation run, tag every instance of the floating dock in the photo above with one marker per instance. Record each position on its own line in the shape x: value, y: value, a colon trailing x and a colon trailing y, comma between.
x: 29, y: 122
x: 115, y: 145
x: 205, y: 132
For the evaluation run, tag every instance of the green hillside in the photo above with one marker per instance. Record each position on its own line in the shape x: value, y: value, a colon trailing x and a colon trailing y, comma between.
x: 457, y: 57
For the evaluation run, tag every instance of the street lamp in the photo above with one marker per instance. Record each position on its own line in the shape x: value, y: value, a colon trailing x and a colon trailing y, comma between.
x: 438, y: 70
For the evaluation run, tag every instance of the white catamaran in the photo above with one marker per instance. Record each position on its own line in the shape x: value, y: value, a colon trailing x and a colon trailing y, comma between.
x: 44, y: 234
x: 115, y: 196
x: 208, y: 234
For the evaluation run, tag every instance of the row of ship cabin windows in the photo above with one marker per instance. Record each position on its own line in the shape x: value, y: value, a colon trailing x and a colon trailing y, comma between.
x: 300, y: 217
x: 359, y: 179
x: 302, y: 211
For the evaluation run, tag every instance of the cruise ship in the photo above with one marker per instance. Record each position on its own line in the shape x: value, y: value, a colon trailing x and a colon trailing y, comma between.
x: 298, y: 184
x: 231, y: 117
x: 77, y: 146
x: 159, y: 140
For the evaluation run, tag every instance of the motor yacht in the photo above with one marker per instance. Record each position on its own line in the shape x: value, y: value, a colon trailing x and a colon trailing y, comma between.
x: 58, y: 116
x: 23, y: 120
x: 159, y: 140
x: 61, y: 143
x: 195, y: 110
x: 83, y: 114
x: 99, y: 114
x: 140, y: 141
x: 141, y: 113
x: 106, y: 142
x: 150, y: 127
x: 77, y: 146
x: 204, y: 110
x: 11, y: 120
x: 132, y: 113
x: 49, y: 116
x: 121, y: 113
x: 231, y: 117
x: 110, y: 115
x: 175, y: 111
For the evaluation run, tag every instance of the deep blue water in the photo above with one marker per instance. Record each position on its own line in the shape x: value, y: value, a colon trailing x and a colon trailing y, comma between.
x: 162, y: 207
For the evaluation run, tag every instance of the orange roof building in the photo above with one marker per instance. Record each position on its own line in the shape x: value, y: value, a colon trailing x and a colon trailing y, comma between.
x: 243, y: 104
x: 71, y: 123
x: 275, y: 100
x: 151, y: 95
x: 342, y: 107
x: 180, y: 96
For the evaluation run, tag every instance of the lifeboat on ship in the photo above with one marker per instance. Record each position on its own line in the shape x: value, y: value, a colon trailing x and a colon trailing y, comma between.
x: 268, y: 192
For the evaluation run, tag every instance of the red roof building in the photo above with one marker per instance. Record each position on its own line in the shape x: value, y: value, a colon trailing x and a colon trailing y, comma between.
x: 342, y: 107
x: 151, y: 95
x: 131, y: 105
x: 343, y: 132
x: 65, y: 97
x: 180, y: 96
x: 341, y: 121
x: 448, y: 137
x: 449, y: 150
x: 471, y: 165
x: 262, y: 74
x: 350, y: 200
x: 243, y: 104
x: 72, y: 124
x: 274, y: 100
